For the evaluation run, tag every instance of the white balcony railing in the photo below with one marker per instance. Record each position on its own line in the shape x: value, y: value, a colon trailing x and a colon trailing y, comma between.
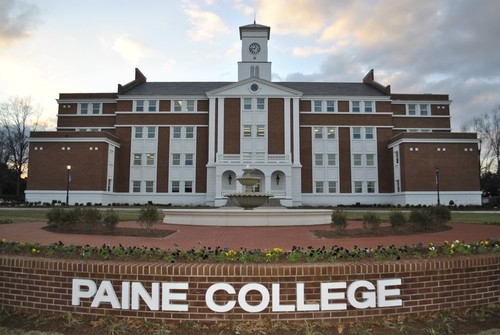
x: 253, y: 158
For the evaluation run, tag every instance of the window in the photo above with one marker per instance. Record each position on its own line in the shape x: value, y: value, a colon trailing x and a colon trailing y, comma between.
x: 423, y: 109
x: 139, y: 106
x: 84, y: 108
x: 261, y: 131
x: 137, y: 132
x: 331, y: 133
x: 332, y: 187
x: 175, y: 186
x: 319, y: 187
x: 188, y: 187
x: 189, y: 132
x: 369, y: 133
x: 412, y: 109
x: 188, y: 159
x: 356, y: 133
x: 318, y: 106
x: 247, y: 131
x: 150, y: 186
x: 151, y: 132
x: 151, y: 105
x: 417, y: 109
x: 96, y: 108
x: 330, y: 106
x: 150, y: 159
x: 356, y: 160
x: 358, y: 187
x: 355, y: 106
x: 332, y: 159
x: 318, y: 132
x: 370, y: 186
x: 109, y: 185
x: 137, y: 159
x: 177, y: 132
x: 247, y: 103
x: 368, y: 106
x: 177, y: 105
x: 318, y: 159
x: 370, y: 159
x: 261, y: 103
x: 190, y: 105
x: 398, y: 185
x: 136, y: 186
x: 396, y: 157
x: 176, y: 159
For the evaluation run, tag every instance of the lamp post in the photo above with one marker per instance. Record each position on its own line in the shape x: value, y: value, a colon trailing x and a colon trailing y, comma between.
x: 437, y: 186
x: 68, y: 181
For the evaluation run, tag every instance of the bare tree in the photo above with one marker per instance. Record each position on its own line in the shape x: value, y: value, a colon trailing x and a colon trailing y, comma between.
x: 18, y: 118
x: 487, y: 126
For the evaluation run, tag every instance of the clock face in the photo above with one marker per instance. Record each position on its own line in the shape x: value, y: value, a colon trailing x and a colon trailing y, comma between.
x: 254, y: 48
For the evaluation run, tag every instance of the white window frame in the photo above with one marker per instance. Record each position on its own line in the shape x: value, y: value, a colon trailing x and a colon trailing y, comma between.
x: 137, y: 159
x: 150, y: 159
x: 357, y: 133
x: 332, y: 186
x: 150, y: 186
x: 136, y: 186
x: 418, y: 109
x: 138, y: 132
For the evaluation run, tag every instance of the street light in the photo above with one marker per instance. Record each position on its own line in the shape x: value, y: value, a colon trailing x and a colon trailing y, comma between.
x: 437, y: 185
x: 68, y: 181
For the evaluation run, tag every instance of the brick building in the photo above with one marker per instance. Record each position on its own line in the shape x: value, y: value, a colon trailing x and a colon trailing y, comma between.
x: 312, y: 143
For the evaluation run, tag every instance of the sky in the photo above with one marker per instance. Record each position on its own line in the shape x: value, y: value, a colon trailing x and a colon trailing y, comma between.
x: 450, y: 47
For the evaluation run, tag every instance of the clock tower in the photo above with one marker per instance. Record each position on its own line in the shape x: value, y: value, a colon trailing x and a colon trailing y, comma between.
x: 254, y: 38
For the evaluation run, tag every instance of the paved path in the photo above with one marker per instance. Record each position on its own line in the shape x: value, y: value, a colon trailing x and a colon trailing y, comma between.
x: 186, y: 237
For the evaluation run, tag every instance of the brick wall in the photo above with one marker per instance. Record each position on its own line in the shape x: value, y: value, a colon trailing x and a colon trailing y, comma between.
x: 38, y: 284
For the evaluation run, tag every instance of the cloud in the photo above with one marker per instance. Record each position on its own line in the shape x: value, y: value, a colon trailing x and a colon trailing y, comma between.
x: 206, y: 24
x: 133, y: 51
x: 16, y: 20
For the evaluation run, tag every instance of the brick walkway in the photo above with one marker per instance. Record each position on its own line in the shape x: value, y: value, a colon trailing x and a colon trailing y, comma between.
x: 186, y: 237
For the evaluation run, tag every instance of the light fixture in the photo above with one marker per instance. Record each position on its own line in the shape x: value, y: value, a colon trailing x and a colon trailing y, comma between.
x: 68, y: 181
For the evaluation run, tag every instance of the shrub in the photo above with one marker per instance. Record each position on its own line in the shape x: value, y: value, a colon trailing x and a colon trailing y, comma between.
x: 91, y: 217
x: 371, y: 222
x: 397, y: 219
x: 148, y: 216
x: 62, y: 218
x: 421, y: 218
x: 441, y: 215
x: 110, y: 219
x: 339, y: 221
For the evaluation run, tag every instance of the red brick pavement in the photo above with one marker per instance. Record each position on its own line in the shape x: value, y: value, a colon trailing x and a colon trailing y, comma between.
x: 186, y: 237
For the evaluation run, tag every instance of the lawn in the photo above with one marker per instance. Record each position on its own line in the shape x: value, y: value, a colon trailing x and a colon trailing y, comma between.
x: 131, y: 214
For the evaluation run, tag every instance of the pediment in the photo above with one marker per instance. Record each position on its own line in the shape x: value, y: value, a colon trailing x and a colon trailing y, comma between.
x: 254, y: 87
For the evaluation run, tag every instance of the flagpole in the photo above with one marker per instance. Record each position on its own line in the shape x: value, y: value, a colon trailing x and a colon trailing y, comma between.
x: 68, y: 181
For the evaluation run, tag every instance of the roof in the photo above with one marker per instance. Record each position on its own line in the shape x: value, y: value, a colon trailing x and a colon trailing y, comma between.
x: 201, y: 87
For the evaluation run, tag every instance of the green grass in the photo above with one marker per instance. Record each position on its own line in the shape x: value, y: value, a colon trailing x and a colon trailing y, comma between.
x: 37, y: 215
x: 132, y: 214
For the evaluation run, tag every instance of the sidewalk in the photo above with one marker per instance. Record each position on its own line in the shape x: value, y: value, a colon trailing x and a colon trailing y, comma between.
x: 186, y: 237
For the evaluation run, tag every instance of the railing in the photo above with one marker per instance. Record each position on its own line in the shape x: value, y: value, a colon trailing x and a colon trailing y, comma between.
x: 253, y: 158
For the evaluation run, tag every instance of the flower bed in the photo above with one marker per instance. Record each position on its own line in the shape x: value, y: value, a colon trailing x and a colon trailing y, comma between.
x: 275, y: 255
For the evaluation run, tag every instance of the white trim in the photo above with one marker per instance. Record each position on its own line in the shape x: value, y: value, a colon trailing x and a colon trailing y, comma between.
x: 433, y: 140
x: 73, y: 140
x: 161, y: 97
x: 346, y: 97
x: 160, y: 112
x: 418, y: 116
x: 430, y: 102
x: 87, y: 115
x: 86, y: 100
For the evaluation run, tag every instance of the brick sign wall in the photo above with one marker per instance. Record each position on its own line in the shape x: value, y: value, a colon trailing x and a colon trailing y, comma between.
x: 210, y: 292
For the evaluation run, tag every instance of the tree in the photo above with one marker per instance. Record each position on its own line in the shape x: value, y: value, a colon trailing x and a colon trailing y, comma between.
x: 487, y: 127
x: 18, y: 118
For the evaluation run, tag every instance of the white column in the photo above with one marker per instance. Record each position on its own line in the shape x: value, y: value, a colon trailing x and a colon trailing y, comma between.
x: 296, y: 132
x: 220, y: 126
x: 211, y: 131
x: 288, y: 136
